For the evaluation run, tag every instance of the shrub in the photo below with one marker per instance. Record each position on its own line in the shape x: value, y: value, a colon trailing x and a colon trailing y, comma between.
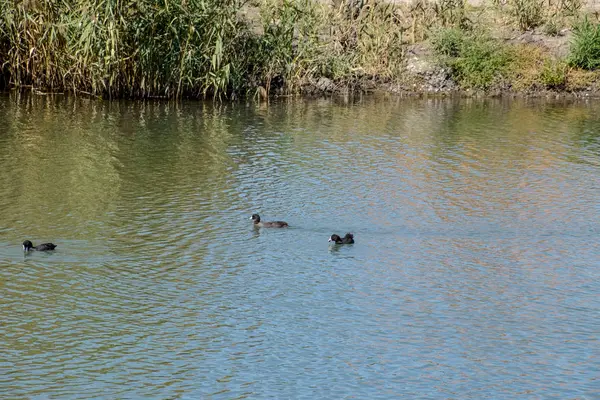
x: 483, y: 62
x: 447, y: 41
x: 554, y: 74
x: 475, y: 59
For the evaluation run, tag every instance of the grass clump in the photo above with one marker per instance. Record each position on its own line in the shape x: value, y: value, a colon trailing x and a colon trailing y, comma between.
x: 554, y: 74
x: 580, y: 80
x: 551, y: 27
x: 585, y: 47
x: 302, y: 41
x: 528, y: 14
x: 289, y: 38
x: 475, y: 59
x: 448, y: 42
x: 423, y: 16
x: 364, y: 43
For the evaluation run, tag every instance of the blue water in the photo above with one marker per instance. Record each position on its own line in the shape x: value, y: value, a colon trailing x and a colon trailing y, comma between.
x: 475, y: 272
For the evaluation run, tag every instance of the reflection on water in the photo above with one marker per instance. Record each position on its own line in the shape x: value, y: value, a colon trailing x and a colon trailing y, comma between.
x: 474, y: 273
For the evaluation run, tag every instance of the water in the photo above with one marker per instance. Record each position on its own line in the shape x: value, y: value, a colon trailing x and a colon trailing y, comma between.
x: 474, y: 274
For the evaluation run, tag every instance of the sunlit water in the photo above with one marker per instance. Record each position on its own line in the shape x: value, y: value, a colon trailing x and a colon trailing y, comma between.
x: 475, y: 273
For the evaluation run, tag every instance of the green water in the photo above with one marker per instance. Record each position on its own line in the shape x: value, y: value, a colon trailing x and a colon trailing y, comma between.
x: 474, y: 273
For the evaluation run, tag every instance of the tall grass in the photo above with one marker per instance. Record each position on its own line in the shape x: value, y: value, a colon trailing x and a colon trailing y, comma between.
x: 290, y: 41
x: 530, y: 14
x: 303, y: 41
x: 200, y: 48
x: 368, y: 44
x: 197, y: 48
x: 120, y: 48
x: 427, y: 15
x: 585, y: 46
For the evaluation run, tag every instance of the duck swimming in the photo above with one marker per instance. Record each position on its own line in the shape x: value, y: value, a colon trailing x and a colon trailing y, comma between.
x: 273, y: 224
x: 28, y: 246
x: 348, y: 239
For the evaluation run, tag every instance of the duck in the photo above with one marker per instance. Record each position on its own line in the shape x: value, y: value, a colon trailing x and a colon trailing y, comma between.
x: 28, y: 246
x: 273, y: 224
x: 348, y: 239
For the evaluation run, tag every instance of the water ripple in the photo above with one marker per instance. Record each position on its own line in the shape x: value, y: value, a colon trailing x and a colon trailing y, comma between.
x: 474, y: 274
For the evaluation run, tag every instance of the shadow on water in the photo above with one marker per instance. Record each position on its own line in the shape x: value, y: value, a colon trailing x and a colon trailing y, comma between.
x: 476, y: 224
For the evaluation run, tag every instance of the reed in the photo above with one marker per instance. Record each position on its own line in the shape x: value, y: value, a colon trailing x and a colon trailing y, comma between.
x: 194, y: 48
x: 230, y: 48
x: 120, y: 48
x: 530, y: 14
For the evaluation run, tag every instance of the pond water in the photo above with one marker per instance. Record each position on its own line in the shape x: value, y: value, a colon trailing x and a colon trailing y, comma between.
x: 475, y: 273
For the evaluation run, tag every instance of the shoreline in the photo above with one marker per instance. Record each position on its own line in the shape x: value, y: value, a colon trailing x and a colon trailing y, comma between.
x: 307, y: 48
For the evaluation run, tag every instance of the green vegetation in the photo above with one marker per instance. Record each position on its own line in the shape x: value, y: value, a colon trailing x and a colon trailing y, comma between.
x: 554, y: 74
x: 528, y: 14
x: 481, y: 62
x: 448, y: 42
x: 476, y: 60
x: 174, y: 48
x: 585, y: 49
x: 231, y: 48
x: 118, y: 48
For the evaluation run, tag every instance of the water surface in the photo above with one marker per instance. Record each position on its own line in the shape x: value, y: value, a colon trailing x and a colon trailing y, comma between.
x: 475, y: 272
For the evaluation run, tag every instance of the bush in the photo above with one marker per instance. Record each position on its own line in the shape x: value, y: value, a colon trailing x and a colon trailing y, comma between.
x: 476, y: 60
x: 554, y: 75
x: 585, y: 47
x: 482, y: 63
x: 447, y: 41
